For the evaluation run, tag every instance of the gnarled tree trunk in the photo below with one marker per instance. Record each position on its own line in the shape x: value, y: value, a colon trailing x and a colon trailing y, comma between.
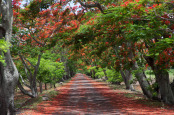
x: 164, y: 87
x: 8, y: 72
x: 31, y: 78
x: 141, y: 77
x: 162, y: 78
x: 127, y: 77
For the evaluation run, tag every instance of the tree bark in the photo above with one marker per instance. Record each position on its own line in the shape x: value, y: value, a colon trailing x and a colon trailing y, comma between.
x: 162, y: 79
x: 141, y: 77
x: 106, y: 77
x: 45, y: 86
x: 24, y: 91
x: 164, y: 87
x: 127, y: 77
x: 8, y: 72
x: 40, y: 85
x: 31, y: 76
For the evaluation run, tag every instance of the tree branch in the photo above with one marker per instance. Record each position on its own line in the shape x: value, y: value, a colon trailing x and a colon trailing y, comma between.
x: 24, y: 91
x: 52, y: 33
x: 38, y: 62
x: 36, y: 68
x: 24, y: 81
x: 37, y: 37
x: 28, y: 62
x: 92, y: 6
x: 25, y: 65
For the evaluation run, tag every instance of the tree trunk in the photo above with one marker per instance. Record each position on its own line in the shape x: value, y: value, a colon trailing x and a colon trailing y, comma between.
x: 164, y: 87
x: 40, y: 85
x: 34, y: 89
x: 91, y: 73
x: 141, y: 77
x: 31, y: 76
x: 45, y: 86
x: 24, y: 91
x: 106, y: 77
x: 127, y: 77
x: 162, y: 79
x: 51, y: 85
x: 8, y: 72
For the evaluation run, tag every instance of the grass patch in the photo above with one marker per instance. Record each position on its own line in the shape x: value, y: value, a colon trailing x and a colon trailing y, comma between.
x: 18, y: 102
x: 152, y: 103
x: 32, y: 103
x: 129, y: 95
x: 114, y: 86
x: 52, y: 94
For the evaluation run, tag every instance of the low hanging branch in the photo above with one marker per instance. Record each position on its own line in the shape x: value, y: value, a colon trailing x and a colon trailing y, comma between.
x: 25, y: 65
x: 24, y: 81
x: 96, y: 4
x: 24, y: 91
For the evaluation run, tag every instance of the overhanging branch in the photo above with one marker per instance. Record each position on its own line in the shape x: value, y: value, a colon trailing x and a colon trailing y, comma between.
x: 24, y: 81
x: 96, y: 4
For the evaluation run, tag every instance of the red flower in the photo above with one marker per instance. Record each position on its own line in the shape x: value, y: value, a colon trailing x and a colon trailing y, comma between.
x: 167, y: 22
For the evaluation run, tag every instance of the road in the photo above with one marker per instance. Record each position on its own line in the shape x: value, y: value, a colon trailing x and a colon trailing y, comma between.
x: 84, y: 96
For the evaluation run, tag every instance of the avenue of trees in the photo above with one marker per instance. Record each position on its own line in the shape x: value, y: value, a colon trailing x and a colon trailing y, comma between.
x: 119, y: 41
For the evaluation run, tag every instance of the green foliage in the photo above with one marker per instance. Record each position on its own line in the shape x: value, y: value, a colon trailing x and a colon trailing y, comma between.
x: 50, y: 71
x: 149, y: 72
x: 100, y: 73
x: 32, y: 11
x: 3, y: 48
x: 114, y: 76
x: 50, y: 55
x: 153, y: 88
x: 53, y: 93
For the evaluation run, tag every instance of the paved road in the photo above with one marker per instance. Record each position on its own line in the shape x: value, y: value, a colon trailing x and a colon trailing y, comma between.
x: 84, y: 99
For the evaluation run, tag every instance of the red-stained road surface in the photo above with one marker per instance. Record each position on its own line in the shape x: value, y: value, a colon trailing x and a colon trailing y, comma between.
x: 84, y: 96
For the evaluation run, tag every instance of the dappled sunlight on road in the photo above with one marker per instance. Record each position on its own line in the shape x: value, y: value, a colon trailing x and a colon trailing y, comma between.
x: 84, y: 96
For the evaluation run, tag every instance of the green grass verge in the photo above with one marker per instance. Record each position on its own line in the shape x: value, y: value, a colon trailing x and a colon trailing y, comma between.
x: 114, y: 86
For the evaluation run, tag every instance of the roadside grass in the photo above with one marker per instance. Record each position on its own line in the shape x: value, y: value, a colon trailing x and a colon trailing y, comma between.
x: 152, y: 103
x: 114, y: 86
x: 32, y: 103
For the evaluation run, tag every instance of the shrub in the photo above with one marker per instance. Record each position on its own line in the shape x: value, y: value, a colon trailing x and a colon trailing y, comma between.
x: 113, y: 76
